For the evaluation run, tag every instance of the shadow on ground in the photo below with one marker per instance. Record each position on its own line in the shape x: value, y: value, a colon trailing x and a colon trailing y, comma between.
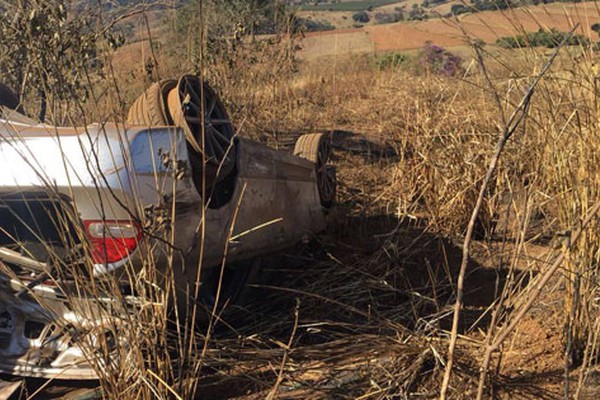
x: 369, y: 279
x: 355, y: 306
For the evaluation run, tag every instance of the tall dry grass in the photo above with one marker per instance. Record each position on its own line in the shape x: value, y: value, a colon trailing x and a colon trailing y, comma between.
x: 365, y: 312
x: 444, y: 131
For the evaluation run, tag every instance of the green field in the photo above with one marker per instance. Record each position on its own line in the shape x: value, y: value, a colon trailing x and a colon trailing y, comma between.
x: 347, y: 5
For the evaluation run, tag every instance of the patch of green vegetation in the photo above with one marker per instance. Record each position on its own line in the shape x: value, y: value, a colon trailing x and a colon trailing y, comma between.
x: 389, y: 17
x: 432, y: 3
x: 360, y: 5
x: 361, y: 17
x: 417, y: 13
x: 458, y: 9
x: 493, y: 5
x: 310, y: 25
x: 391, y: 60
x: 542, y: 38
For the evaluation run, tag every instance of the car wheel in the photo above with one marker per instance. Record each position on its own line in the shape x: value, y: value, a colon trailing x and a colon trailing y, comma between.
x: 197, y: 109
x: 316, y: 147
x: 150, y: 109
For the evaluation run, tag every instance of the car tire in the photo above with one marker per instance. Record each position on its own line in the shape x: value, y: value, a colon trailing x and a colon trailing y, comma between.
x: 150, y: 109
x: 316, y: 147
x: 217, y: 160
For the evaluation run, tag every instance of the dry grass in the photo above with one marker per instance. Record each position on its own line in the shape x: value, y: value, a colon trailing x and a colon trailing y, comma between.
x: 364, y: 311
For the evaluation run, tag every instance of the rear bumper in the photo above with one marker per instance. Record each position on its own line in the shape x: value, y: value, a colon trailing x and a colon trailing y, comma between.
x: 39, y: 340
x: 56, y: 332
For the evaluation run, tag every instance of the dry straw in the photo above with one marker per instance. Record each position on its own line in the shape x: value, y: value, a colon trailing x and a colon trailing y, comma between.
x: 365, y: 312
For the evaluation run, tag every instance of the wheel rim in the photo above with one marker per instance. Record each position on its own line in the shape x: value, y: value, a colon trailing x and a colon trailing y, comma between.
x: 325, y: 176
x: 189, y: 111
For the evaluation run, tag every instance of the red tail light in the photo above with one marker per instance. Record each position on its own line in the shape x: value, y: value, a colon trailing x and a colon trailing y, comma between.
x: 112, y: 241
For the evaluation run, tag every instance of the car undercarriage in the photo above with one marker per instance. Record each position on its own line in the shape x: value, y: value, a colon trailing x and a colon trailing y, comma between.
x: 174, y: 202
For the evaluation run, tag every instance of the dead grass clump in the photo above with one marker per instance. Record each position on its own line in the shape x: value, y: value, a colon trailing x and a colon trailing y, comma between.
x: 346, y: 319
x: 571, y: 149
x: 440, y: 133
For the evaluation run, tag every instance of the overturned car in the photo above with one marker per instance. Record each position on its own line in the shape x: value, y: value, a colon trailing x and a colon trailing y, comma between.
x: 174, y: 201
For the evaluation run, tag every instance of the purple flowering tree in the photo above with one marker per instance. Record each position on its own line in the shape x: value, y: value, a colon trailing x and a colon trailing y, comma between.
x: 438, y: 60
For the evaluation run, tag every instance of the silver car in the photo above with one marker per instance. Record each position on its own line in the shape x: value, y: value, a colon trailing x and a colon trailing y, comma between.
x: 173, y: 197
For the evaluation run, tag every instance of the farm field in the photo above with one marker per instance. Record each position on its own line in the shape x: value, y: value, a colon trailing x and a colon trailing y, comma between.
x: 348, y: 5
x: 338, y: 19
x: 487, y: 26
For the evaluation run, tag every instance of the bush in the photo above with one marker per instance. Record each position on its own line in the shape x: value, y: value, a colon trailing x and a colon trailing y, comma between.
x: 458, y: 9
x: 432, y: 3
x: 310, y: 25
x: 440, y: 61
x: 417, y: 13
x: 485, y: 5
x: 391, y: 60
x: 542, y: 38
x: 511, y: 42
x: 388, y: 18
x: 361, y: 17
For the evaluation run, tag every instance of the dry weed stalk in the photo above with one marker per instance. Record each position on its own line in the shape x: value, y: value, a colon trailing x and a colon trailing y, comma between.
x: 518, y: 115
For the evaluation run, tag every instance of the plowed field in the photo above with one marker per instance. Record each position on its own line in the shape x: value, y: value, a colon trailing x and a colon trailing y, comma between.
x: 487, y: 26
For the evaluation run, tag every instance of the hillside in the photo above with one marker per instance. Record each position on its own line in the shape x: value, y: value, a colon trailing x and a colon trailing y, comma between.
x: 487, y: 26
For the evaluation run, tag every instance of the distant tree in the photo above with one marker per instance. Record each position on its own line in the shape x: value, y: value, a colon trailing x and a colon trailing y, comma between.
x: 388, y: 18
x: 431, y: 3
x: 361, y: 17
x: 458, y: 9
x: 310, y: 25
x: 484, y: 5
x: 417, y: 13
